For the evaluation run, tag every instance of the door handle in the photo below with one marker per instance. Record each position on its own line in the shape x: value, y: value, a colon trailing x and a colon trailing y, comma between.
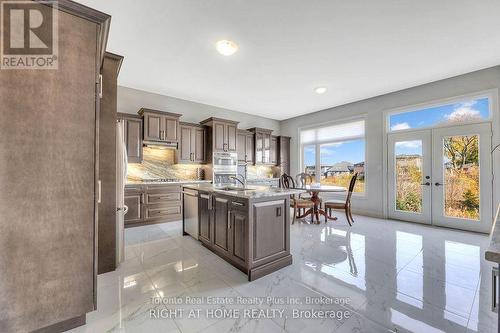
x: 99, y: 191
x: 494, y: 278
x: 426, y: 184
x: 229, y: 219
x: 278, y: 211
x: 438, y: 184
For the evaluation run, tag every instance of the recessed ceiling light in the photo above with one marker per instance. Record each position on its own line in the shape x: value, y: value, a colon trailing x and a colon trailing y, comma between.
x: 320, y: 90
x: 226, y: 47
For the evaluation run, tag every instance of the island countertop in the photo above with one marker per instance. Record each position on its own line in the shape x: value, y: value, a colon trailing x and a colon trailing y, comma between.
x: 254, y: 192
x: 493, y: 251
x: 176, y: 182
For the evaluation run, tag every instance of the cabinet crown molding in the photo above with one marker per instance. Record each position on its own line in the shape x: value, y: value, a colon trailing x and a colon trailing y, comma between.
x: 209, y: 121
x: 259, y: 129
x: 165, y: 113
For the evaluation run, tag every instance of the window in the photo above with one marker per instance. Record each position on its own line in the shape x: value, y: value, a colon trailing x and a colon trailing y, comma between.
x: 332, y: 154
x: 466, y: 111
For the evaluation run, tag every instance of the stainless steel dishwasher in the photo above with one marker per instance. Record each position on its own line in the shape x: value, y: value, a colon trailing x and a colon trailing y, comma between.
x: 190, y: 213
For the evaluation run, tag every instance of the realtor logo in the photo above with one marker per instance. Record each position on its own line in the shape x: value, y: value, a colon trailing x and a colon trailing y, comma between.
x: 29, y: 38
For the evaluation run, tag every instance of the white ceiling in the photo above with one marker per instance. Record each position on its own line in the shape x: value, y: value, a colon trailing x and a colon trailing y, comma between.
x: 356, y: 48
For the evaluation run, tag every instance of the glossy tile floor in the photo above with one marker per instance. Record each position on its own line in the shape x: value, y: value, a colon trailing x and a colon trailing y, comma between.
x: 398, y: 277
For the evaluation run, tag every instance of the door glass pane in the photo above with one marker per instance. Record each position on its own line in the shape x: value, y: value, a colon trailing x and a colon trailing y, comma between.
x: 310, y: 160
x: 409, y: 175
x: 461, y: 176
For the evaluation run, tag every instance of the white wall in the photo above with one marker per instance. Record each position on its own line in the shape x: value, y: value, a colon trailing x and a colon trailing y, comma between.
x: 131, y: 100
x: 373, y: 203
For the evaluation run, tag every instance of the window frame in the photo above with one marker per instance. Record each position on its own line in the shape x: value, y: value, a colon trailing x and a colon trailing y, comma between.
x: 494, y: 119
x: 318, y: 144
x: 489, y: 94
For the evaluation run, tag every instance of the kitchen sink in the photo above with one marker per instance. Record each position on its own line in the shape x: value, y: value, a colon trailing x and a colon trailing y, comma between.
x: 235, y: 188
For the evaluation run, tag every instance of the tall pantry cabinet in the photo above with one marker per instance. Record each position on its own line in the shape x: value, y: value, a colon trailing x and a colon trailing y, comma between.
x: 49, y: 167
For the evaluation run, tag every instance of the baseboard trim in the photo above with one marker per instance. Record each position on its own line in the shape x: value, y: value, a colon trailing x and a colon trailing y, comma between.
x: 63, y: 325
x: 268, y: 268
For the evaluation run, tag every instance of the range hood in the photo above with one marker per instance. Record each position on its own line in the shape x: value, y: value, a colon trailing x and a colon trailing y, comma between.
x: 161, y: 144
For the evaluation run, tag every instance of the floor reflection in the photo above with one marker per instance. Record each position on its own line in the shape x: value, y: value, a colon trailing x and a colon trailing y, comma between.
x: 393, y: 276
x: 403, y: 276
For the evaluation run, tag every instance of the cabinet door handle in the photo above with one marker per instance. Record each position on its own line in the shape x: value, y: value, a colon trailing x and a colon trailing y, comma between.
x: 278, y: 211
x: 229, y: 219
x: 236, y: 203
x: 99, y: 191
x: 210, y: 203
x: 494, y: 278
x: 142, y: 198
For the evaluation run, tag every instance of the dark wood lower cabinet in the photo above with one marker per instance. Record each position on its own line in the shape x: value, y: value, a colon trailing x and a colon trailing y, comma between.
x: 269, y: 229
x: 239, y: 225
x: 205, y: 218
x: 148, y: 204
x: 251, y: 234
x: 221, y: 224
x: 133, y: 200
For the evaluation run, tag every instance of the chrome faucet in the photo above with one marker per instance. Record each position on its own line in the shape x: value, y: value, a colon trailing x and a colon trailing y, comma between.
x: 244, y: 182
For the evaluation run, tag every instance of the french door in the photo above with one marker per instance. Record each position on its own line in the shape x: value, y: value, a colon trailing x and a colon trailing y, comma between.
x: 442, y: 176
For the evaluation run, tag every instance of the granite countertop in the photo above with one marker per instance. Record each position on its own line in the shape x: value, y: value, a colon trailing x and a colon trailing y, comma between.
x: 262, y: 179
x: 493, y: 251
x: 256, y: 192
x: 166, y: 183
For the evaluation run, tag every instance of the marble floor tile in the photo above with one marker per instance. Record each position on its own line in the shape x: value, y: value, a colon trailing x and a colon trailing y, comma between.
x: 387, y: 276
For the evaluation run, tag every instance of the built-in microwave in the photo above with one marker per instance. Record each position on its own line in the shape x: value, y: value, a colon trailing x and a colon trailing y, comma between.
x: 225, y: 167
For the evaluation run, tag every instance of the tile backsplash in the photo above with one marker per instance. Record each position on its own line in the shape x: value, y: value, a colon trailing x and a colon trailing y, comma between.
x: 160, y: 163
x: 262, y: 171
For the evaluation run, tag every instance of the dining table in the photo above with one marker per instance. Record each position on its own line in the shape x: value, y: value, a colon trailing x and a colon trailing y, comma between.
x: 315, y: 190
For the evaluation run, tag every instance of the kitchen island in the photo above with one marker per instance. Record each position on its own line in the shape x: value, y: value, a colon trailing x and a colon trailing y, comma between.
x: 248, y: 227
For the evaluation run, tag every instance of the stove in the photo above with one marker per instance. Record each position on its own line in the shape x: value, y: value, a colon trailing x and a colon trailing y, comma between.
x: 161, y: 180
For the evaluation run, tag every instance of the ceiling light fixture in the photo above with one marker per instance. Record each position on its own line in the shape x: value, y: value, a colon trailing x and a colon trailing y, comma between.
x: 226, y: 47
x: 320, y: 90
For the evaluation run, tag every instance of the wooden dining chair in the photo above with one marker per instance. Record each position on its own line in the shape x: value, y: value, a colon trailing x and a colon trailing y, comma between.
x: 345, y: 205
x: 298, y: 204
x: 301, y: 180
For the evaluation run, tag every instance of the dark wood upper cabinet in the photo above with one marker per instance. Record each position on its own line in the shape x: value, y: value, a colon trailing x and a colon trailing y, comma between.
x: 231, y: 137
x: 284, y: 154
x: 152, y: 127
x: 160, y: 126
x: 274, y: 150
x: 219, y: 136
x: 185, y: 144
x: 200, y: 142
x: 245, y: 146
x: 192, y: 143
x: 262, y: 138
x: 132, y: 134
x: 223, y: 134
